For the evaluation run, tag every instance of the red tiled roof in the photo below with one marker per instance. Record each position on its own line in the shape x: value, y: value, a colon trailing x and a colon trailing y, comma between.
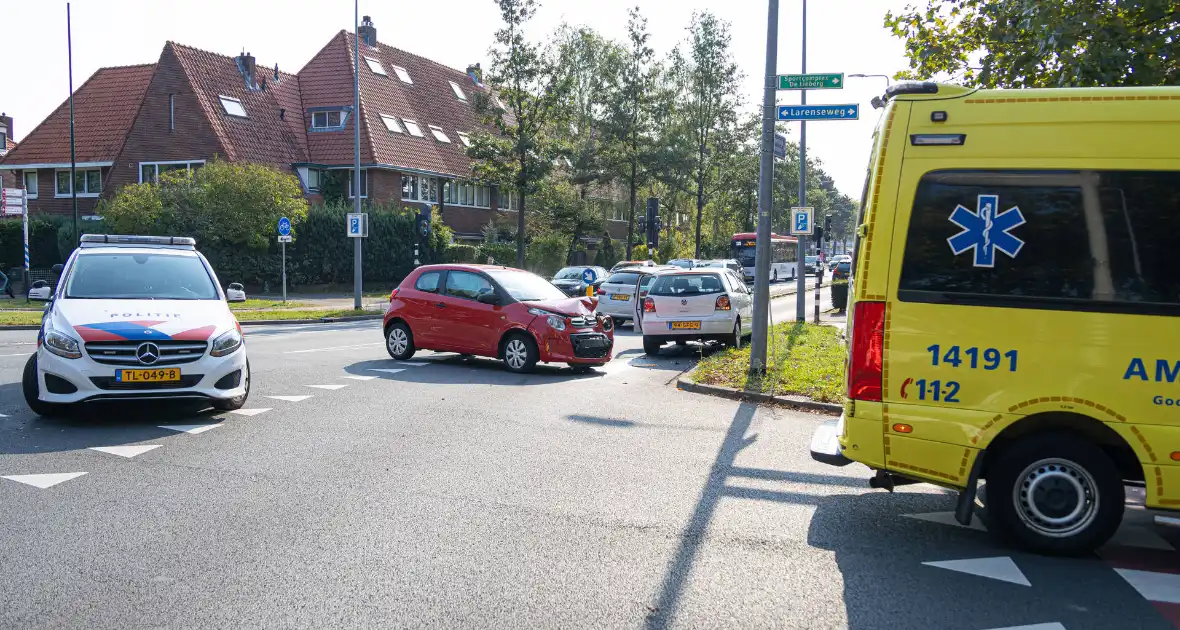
x: 430, y: 100
x: 104, y: 108
x: 261, y: 136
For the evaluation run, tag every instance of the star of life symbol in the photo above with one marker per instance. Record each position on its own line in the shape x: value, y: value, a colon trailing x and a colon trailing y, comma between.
x: 986, y: 230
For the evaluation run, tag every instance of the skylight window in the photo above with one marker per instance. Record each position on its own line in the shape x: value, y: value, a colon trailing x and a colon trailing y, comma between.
x: 403, y: 75
x: 458, y: 91
x: 375, y: 66
x: 439, y: 135
x: 412, y: 127
x: 232, y: 106
x: 391, y: 124
x: 499, y: 103
x: 464, y: 138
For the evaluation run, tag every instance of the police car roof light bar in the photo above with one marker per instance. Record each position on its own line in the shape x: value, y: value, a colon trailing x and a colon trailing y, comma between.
x: 128, y: 239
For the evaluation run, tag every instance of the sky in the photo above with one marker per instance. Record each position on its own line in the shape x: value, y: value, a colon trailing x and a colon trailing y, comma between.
x: 842, y: 36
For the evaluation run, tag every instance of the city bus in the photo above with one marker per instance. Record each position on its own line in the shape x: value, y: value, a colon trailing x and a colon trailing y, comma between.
x: 784, y: 254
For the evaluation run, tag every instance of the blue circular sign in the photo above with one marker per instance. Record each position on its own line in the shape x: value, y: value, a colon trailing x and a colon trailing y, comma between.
x: 284, y: 226
x: 588, y: 276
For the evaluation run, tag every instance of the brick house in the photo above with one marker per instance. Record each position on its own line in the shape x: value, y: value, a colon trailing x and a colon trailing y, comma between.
x: 416, y: 118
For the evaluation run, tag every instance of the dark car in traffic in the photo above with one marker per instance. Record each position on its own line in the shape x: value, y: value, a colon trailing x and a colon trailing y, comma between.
x: 572, y: 280
x: 842, y: 271
x: 493, y: 311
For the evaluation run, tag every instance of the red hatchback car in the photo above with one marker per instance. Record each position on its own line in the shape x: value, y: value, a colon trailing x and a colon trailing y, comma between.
x: 494, y: 311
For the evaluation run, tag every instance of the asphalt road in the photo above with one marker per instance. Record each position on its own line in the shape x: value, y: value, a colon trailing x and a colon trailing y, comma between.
x: 448, y: 493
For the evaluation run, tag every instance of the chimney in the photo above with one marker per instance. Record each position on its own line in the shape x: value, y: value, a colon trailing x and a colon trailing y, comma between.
x: 475, y: 73
x: 246, y: 67
x: 368, y: 32
x: 276, y: 73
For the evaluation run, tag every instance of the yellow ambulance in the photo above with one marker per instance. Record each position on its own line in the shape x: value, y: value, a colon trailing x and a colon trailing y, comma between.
x: 1015, y: 306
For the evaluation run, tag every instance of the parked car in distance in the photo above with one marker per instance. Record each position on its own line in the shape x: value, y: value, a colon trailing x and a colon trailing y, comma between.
x: 839, y: 259
x: 812, y: 264
x: 684, y: 263
x: 572, y: 280
x: 842, y: 271
x: 727, y: 263
x: 624, y: 264
x: 501, y: 312
x: 619, y: 295
x: 696, y: 305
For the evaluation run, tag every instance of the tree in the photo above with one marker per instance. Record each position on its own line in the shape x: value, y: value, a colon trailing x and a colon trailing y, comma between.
x: 630, y: 114
x: 712, y: 98
x: 1031, y: 43
x: 530, y: 86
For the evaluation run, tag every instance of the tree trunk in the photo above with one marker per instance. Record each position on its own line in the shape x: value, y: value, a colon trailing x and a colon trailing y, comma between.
x: 520, y: 224
x: 700, y: 204
x: 631, y: 214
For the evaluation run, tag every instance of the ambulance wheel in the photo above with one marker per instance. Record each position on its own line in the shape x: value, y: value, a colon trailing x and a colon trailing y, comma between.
x: 30, y: 387
x: 1054, y: 493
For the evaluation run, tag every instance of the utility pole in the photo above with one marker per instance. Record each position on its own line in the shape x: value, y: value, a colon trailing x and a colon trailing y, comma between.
x: 762, y: 245
x: 801, y: 273
x: 356, y: 176
x: 73, y: 161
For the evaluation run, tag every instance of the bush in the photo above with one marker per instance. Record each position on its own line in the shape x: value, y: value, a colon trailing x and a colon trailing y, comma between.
x: 45, y: 248
x: 500, y: 253
x: 461, y: 254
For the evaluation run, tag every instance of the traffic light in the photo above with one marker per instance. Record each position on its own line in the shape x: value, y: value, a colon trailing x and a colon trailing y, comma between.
x: 643, y: 227
x: 422, y: 225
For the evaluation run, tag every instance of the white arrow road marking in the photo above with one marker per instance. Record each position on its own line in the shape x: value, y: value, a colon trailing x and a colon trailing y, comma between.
x: 126, y: 451
x: 329, y: 387
x: 250, y: 412
x: 290, y: 398
x: 947, y: 518
x: 1156, y: 587
x: 45, y: 480
x: 1036, y: 626
x: 999, y: 568
x: 361, y: 378
x: 387, y: 371
x: 190, y: 428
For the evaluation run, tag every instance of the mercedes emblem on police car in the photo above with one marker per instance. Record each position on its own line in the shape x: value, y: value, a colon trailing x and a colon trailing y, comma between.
x: 147, y: 353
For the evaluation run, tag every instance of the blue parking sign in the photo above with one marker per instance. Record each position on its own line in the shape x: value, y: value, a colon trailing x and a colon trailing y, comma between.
x: 801, y: 221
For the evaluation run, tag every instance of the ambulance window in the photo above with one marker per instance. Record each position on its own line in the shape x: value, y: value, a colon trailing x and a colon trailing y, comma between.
x: 1094, y: 241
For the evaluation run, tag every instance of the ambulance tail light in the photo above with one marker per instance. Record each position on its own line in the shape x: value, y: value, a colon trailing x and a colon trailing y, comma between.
x: 865, y: 360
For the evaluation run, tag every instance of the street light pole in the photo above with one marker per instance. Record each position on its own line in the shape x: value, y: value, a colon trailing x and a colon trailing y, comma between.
x: 879, y: 76
x: 73, y: 162
x: 801, y: 264
x: 762, y: 247
x: 356, y: 176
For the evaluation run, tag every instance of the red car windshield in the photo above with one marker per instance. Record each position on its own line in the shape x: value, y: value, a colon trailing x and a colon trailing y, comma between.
x: 527, y: 287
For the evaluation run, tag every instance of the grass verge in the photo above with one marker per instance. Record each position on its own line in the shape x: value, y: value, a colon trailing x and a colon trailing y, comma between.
x: 802, y: 359
x: 20, y: 318
x: 246, y: 316
x: 256, y: 304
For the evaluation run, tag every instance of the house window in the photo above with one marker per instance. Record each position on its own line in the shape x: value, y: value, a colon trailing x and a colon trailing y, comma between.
x: 391, y: 124
x: 3, y: 142
x: 375, y: 66
x: 509, y: 200
x: 403, y: 75
x: 364, y: 183
x: 149, y: 172
x: 232, y: 106
x: 458, y: 91
x: 330, y: 120
x: 31, y: 184
x: 418, y: 188
x: 467, y: 194
x: 439, y: 135
x: 87, y: 182
x: 315, y: 178
x: 412, y: 127
x: 464, y: 138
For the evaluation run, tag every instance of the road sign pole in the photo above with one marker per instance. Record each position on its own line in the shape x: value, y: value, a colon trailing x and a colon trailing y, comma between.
x: 801, y: 282
x: 356, y: 125
x: 284, y: 245
x: 24, y: 215
x: 762, y: 246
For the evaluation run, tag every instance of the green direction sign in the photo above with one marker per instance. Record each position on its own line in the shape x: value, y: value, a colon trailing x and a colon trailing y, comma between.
x: 811, y: 81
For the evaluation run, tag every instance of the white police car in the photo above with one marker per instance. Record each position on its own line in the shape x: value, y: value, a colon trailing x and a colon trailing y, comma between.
x: 137, y: 317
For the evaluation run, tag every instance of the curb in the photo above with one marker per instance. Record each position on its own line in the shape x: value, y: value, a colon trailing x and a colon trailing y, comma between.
x: 689, y: 385
x: 296, y: 322
x: 21, y: 327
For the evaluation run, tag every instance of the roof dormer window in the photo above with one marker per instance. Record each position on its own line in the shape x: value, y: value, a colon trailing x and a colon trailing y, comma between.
x: 391, y: 124
x: 439, y: 134
x: 458, y: 91
x: 375, y: 66
x: 413, y: 128
x: 328, y: 119
x: 232, y: 106
x: 403, y: 74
